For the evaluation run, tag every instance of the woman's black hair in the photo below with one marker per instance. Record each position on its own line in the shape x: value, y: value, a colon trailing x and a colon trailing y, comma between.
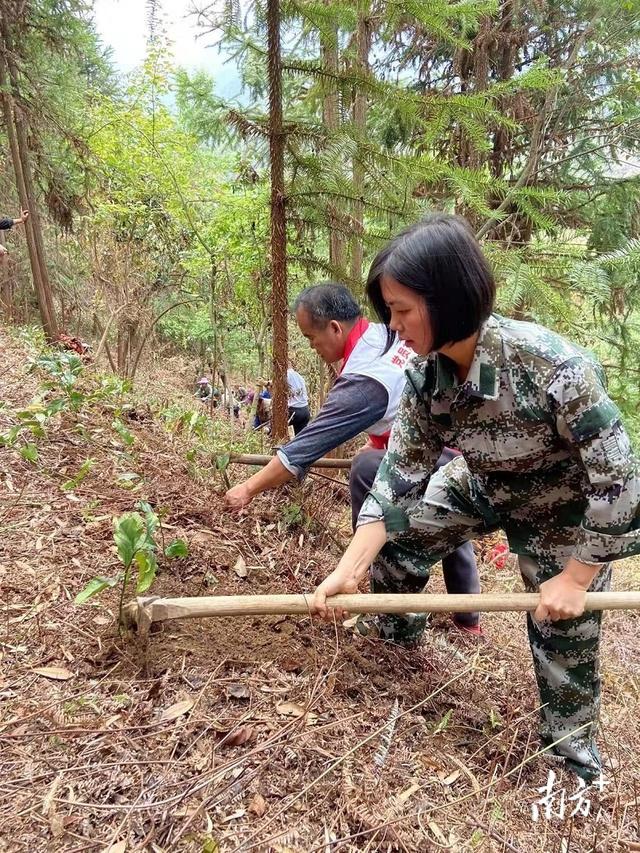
x: 439, y: 258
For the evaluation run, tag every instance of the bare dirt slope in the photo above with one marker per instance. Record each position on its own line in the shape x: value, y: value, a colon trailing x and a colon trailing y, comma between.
x: 289, y: 736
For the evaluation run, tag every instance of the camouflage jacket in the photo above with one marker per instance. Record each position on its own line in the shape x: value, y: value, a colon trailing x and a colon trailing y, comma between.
x: 532, y: 418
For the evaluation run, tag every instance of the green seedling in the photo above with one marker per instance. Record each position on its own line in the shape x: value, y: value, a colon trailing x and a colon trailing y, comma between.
x: 443, y: 725
x: 29, y: 452
x: 134, y: 536
x: 129, y: 480
x: 222, y: 463
x: 126, y: 436
x: 74, y: 482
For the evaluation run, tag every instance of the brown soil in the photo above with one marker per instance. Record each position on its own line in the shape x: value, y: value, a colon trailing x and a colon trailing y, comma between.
x: 294, y: 736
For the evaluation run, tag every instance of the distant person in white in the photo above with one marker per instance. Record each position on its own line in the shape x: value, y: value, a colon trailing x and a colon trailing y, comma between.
x: 298, y: 401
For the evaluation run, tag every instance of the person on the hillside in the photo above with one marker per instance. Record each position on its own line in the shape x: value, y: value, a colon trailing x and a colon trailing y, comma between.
x: 545, y: 457
x: 230, y: 403
x: 6, y: 223
x: 204, y: 390
x: 364, y: 398
x: 298, y: 401
x: 262, y: 416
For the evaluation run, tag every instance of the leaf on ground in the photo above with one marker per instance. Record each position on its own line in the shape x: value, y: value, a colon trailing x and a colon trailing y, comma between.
x: 463, y: 767
x: 258, y: 805
x: 47, y: 803
x: 176, y: 710
x: 237, y: 814
x: 433, y: 826
x: 293, y: 709
x: 202, y: 537
x: 240, y: 567
x: 57, y: 673
x: 56, y: 824
x: 238, y: 691
x: 177, y: 548
x: 408, y: 792
x: 118, y: 847
x: 451, y: 778
x: 238, y: 736
x: 290, y: 709
x: 29, y: 452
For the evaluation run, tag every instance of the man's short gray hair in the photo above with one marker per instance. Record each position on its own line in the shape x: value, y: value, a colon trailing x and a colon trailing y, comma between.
x: 327, y: 301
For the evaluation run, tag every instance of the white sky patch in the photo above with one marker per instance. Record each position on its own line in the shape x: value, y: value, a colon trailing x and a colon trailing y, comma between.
x: 122, y: 25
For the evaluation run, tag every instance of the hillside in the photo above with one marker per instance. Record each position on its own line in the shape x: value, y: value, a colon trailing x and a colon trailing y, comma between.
x: 289, y: 735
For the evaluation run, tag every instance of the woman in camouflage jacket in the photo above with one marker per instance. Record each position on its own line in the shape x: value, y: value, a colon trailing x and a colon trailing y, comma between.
x: 545, y: 457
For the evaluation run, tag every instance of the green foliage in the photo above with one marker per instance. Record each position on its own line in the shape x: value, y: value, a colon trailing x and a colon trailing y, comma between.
x: 134, y: 536
x: 444, y: 723
x: 29, y: 452
x: 126, y: 436
x: 130, y: 536
x: 129, y: 480
x: 177, y: 548
x: 222, y: 461
x: 77, y: 479
x: 64, y: 367
x: 95, y: 586
x: 477, y: 838
x: 294, y: 515
x: 60, y: 393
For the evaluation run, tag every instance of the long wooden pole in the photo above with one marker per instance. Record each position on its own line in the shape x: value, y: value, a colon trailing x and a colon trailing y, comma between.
x: 260, y: 459
x: 143, y: 611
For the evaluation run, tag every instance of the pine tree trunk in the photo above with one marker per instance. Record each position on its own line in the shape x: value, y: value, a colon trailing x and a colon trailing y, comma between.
x: 278, y: 227
x: 6, y: 287
x: 43, y: 293
x: 17, y: 136
x: 363, y: 41
x: 331, y: 119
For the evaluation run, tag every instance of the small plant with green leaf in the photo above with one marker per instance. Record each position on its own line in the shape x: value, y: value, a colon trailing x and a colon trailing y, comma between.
x: 76, y: 480
x: 187, y: 422
x: 32, y: 423
x: 222, y: 463
x: 134, y: 535
x: 125, y: 435
x: 64, y: 368
x: 444, y: 723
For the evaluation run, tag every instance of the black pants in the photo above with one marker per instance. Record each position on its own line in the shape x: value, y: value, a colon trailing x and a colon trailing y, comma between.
x: 459, y: 568
x: 298, y: 417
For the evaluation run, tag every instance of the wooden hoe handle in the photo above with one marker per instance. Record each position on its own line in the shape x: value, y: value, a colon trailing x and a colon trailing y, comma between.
x: 143, y: 611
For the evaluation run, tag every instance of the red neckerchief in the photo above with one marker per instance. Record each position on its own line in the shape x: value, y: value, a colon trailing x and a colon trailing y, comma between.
x: 380, y: 442
x: 352, y: 339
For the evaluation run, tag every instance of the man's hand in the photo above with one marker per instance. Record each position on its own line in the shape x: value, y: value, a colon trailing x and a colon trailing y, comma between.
x: 24, y: 215
x: 3, y: 251
x: 238, y: 497
x: 564, y: 596
x: 339, y: 581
